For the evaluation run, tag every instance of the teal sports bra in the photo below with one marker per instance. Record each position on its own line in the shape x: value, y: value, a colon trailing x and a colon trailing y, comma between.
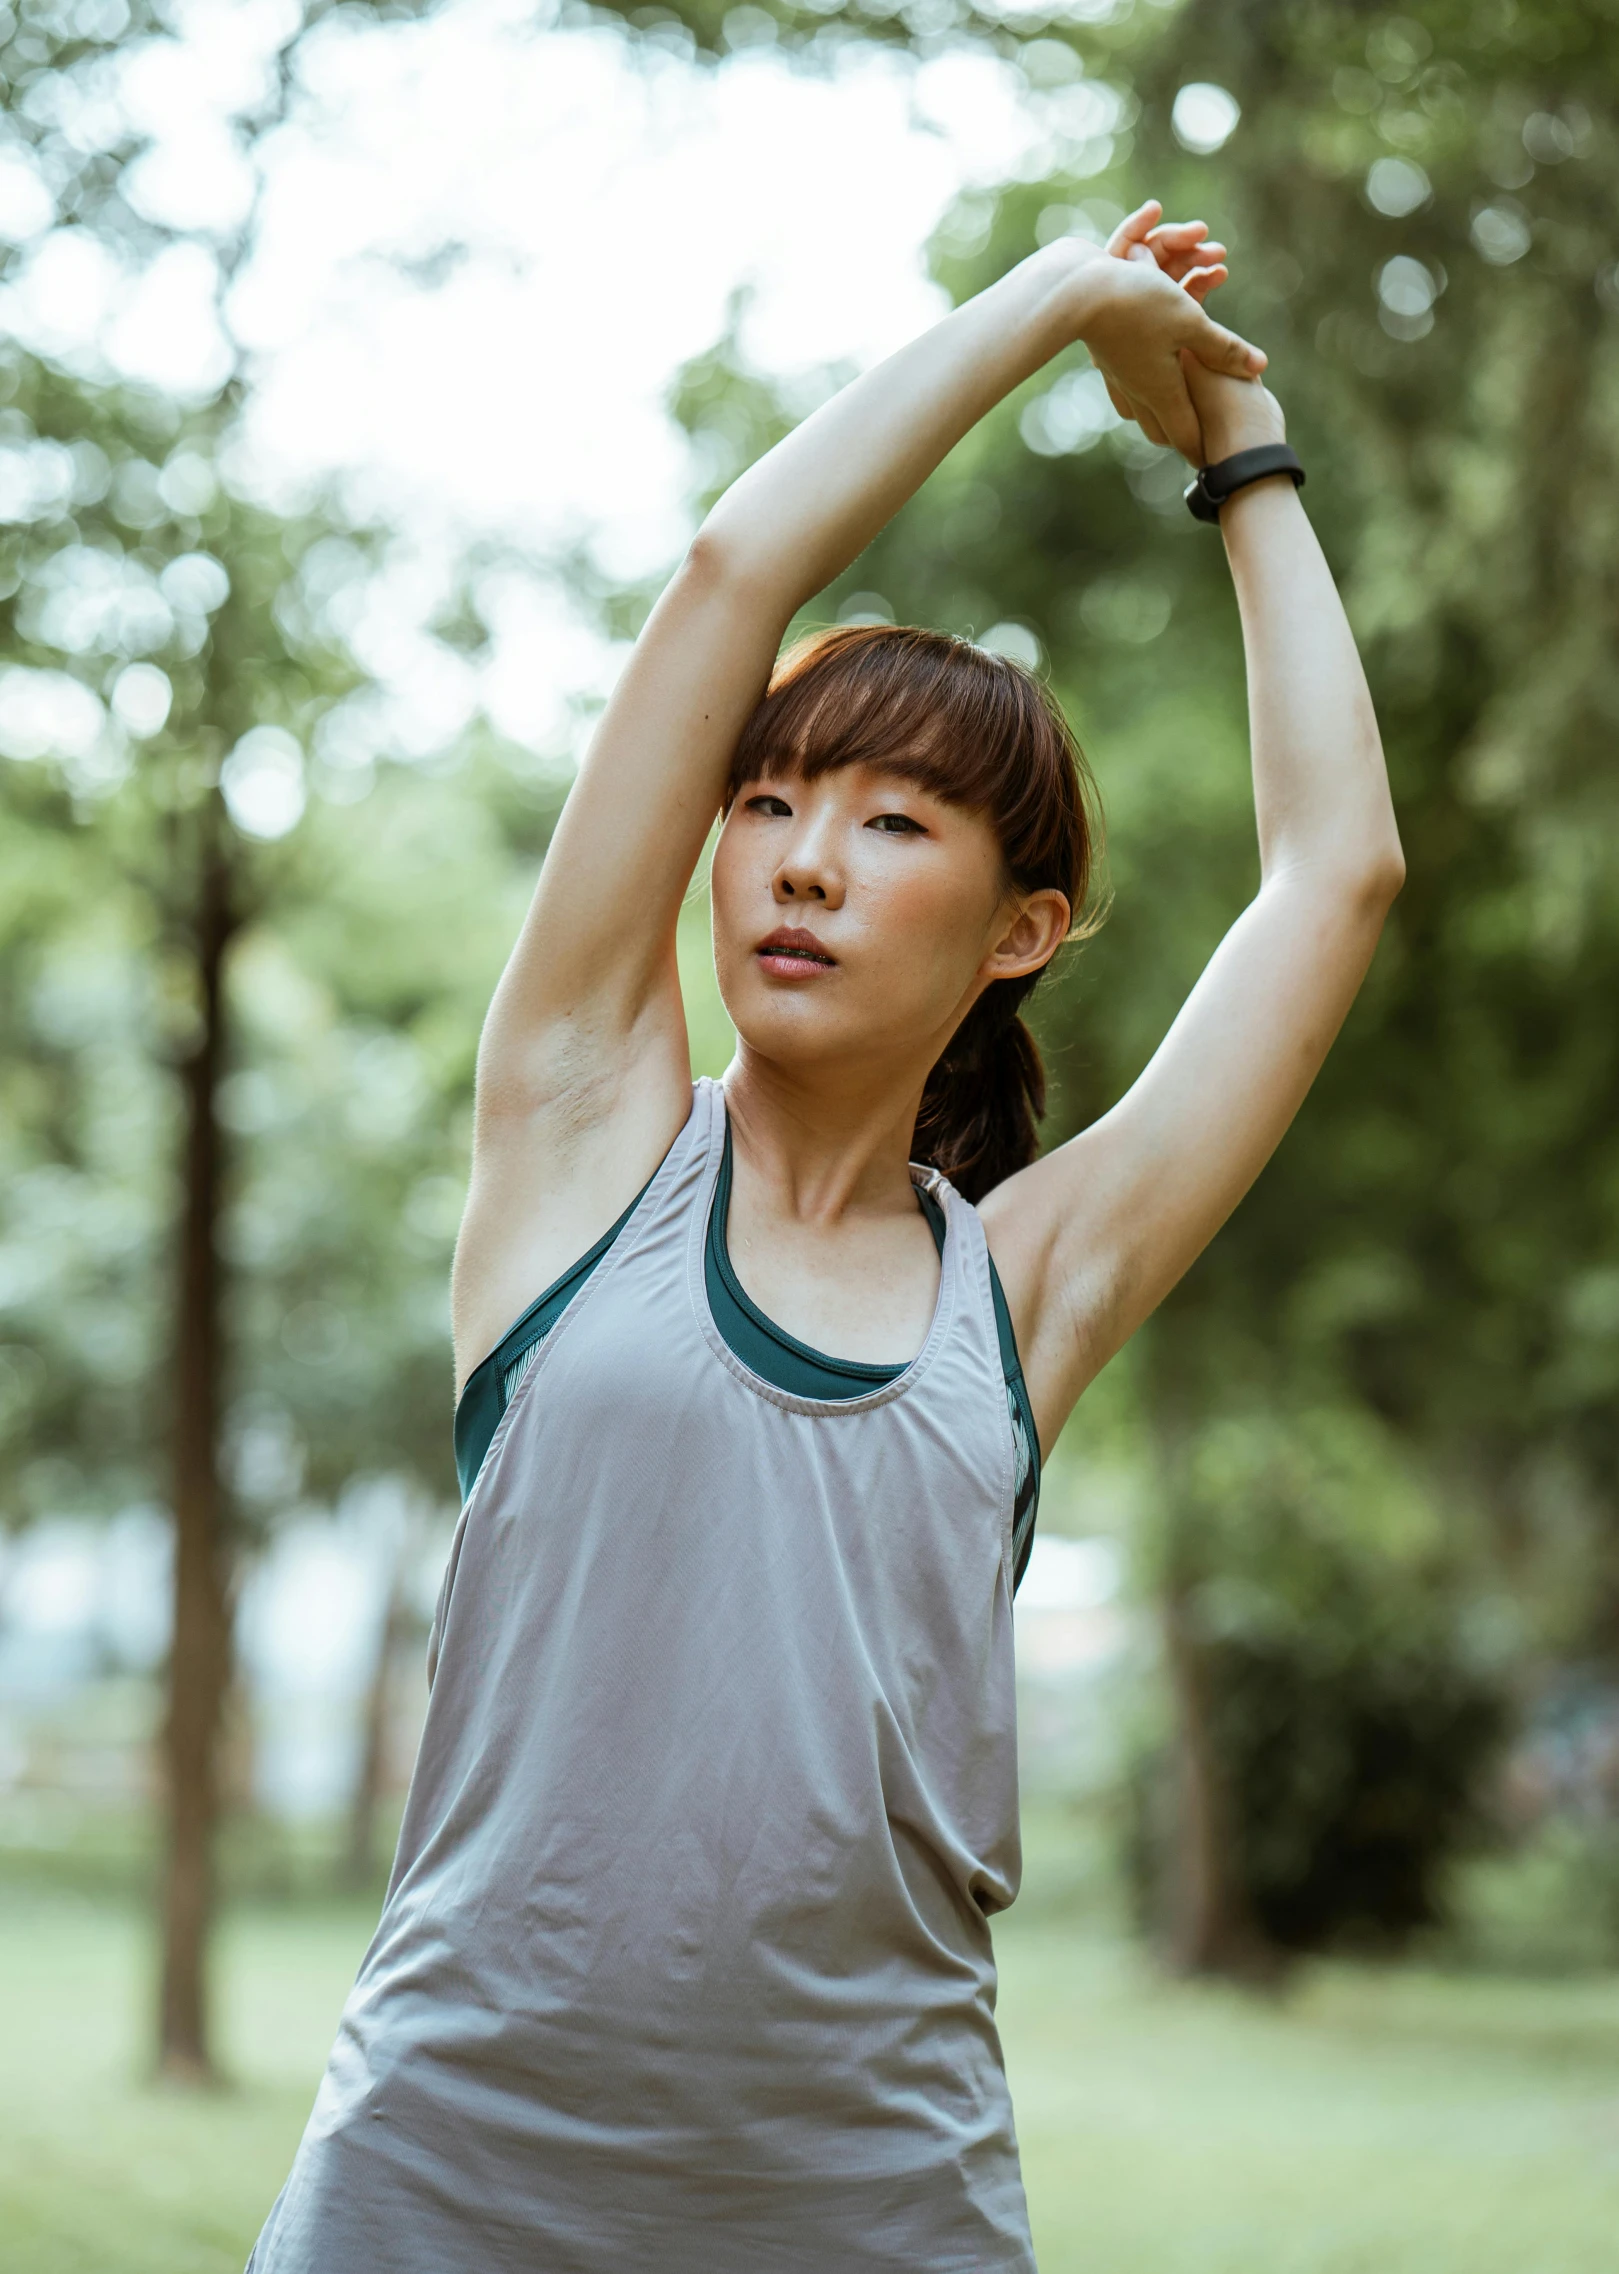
x: 767, y: 1349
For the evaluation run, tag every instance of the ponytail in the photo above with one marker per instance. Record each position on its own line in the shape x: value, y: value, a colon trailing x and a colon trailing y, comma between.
x: 979, y: 1118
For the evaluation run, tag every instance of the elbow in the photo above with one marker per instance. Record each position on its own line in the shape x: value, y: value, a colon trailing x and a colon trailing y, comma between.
x: 1363, y: 884
x: 1366, y: 888
x: 1388, y: 869
x: 1379, y: 881
x: 718, y: 562
x: 734, y: 563
x: 710, y: 560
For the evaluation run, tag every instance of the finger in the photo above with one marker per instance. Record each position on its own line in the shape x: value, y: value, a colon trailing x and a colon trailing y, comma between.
x: 1178, y: 258
x: 1150, y: 427
x: 1131, y: 408
x: 1137, y: 409
x: 1178, y: 424
x: 1173, y: 244
x: 1199, y: 282
x: 1179, y: 266
x: 1133, y: 229
x: 1178, y: 232
x: 1117, y: 394
x: 1173, y: 415
x: 1217, y: 348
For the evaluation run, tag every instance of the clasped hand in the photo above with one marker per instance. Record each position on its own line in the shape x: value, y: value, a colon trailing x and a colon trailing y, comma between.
x: 1184, y: 379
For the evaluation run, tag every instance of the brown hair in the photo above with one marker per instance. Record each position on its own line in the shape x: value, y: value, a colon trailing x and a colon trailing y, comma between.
x: 975, y: 729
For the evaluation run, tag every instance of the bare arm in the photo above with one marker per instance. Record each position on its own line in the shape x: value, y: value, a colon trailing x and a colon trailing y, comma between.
x: 583, y: 1075
x: 1093, y: 1237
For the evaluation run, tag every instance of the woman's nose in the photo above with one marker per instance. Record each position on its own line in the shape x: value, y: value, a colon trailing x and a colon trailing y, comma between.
x: 810, y: 870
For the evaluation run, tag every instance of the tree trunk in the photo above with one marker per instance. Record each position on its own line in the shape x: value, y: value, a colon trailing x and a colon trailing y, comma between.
x: 1211, y: 1929
x: 199, y: 1655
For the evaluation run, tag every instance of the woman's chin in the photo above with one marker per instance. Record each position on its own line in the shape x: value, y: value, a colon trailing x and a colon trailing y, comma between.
x: 796, y: 1023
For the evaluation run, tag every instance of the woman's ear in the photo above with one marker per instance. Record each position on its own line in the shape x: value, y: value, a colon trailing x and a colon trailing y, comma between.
x: 1035, y: 929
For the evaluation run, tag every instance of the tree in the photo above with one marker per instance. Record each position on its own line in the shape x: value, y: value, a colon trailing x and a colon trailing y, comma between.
x: 129, y: 546
x: 155, y: 560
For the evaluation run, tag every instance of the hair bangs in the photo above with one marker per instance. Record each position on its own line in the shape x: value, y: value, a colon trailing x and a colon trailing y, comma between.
x: 963, y: 724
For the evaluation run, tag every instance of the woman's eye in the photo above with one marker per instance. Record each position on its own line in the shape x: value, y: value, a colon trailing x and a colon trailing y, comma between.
x: 896, y: 825
x: 774, y: 807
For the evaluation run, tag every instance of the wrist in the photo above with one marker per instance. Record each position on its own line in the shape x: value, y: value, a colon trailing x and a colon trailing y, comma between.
x: 1252, y: 420
x: 1220, y: 483
x: 1089, y: 284
x: 1049, y: 294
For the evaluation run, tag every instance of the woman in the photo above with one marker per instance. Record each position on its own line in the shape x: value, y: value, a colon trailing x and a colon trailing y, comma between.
x: 685, y: 1959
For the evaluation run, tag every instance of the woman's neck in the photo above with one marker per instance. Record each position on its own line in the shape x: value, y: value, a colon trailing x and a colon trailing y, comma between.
x: 827, y: 1143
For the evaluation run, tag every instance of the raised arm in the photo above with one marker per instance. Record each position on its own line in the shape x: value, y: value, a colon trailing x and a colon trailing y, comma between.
x: 1091, y: 1238
x: 583, y: 1074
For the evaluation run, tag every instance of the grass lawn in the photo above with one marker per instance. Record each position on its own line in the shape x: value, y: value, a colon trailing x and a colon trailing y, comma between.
x: 1385, y: 2122
x: 1368, y: 2123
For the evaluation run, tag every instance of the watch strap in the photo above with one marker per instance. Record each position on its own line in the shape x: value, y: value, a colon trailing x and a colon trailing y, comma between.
x: 1212, y: 485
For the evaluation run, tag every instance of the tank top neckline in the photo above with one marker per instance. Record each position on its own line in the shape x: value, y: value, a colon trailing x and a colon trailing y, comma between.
x: 883, y: 1393
x: 752, y: 1333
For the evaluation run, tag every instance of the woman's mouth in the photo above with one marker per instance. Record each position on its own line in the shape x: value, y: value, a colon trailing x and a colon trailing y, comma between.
x: 792, y: 953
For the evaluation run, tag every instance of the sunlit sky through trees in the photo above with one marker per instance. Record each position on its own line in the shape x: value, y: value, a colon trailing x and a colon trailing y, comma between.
x: 481, y: 254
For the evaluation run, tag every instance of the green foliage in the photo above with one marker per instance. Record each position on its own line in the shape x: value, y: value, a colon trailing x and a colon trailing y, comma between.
x: 112, y: 586
x: 1548, y: 1903
x: 1356, y: 1781
x: 1357, y: 1686
x: 1356, y: 1681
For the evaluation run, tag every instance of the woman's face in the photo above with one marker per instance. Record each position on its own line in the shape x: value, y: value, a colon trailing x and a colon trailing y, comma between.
x: 858, y: 917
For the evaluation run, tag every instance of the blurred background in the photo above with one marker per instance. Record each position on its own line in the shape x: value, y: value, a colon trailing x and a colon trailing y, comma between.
x: 363, y: 370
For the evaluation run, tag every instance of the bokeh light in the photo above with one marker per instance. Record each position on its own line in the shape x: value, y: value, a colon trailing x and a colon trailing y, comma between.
x: 1204, y: 117
x: 263, y: 782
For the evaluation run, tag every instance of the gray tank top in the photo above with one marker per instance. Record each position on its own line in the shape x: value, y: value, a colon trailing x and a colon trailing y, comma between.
x: 684, y: 1965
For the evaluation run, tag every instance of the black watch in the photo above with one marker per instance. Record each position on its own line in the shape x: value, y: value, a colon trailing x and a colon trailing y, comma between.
x: 1212, y: 485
